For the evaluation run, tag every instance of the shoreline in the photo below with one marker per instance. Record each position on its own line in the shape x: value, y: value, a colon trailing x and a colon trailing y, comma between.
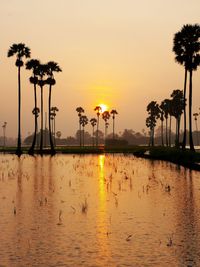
x: 186, y: 158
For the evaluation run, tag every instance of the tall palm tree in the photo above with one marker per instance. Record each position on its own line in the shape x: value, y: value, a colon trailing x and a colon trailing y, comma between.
x: 98, y: 109
x: 80, y: 110
x: 33, y: 65
x: 187, y: 48
x: 113, y: 113
x: 83, y: 122
x: 106, y: 117
x: 93, y: 122
x: 21, y: 51
x: 51, y: 68
x: 41, y: 72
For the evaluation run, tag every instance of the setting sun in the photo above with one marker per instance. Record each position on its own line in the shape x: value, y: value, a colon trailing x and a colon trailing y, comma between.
x: 103, y: 107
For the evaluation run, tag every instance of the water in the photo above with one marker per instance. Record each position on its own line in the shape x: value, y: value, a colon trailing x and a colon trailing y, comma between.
x: 98, y: 210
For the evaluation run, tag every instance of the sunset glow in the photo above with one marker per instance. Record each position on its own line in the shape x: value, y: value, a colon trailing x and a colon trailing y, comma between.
x: 104, y: 107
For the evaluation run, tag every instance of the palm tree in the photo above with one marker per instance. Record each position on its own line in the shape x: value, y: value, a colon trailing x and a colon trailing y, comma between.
x: 106, y: 117
x: 51, y: 68
x: 83, y: 122
x: 187, y: 48
x: 41, y: 72
x: 162, y: 119
x: 53, y: 118
x: 80, y: 110
x: 98, y: 109
x: 165, y: 107
x: 154, y: 113
x: 178, y: 104
x: 21, y: 51
x: 35, y: 112
x: 93, y: 122
x: 33, y: 65
x: 113, y: 113
x: 195, y: 115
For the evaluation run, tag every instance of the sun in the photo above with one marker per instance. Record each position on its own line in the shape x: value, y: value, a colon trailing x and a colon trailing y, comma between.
x: 103, y: 107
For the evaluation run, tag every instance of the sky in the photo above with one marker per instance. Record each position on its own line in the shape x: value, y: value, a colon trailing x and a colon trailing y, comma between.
x: 116, y: 52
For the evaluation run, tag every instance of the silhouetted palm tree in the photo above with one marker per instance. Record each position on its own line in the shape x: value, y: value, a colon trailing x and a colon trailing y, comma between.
x: 51, y: 68
x: 21, y: 51
x: 98, y: 109
x: 113, y: 113
x: 83, y: 122
x: 154, y: 113
x: 41, y: 72
x: 195, y: 115
x: 33, y: 65
x: 187, y: 48
x: 178, y: 104
x: 80, y: 110
x: 106, y: 117
x: 93, y: 122
x: 53, y: 118
x: 162, y: 119
x: 165, y: 107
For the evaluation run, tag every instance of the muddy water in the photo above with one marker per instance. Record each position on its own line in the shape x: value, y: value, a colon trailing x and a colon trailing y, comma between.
x: 99, y: 210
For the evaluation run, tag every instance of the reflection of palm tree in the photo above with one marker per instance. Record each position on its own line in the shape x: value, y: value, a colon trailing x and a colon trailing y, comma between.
x: 98, y: 109
x: 187, y: 48
x: 106, y: 117
x: 93, y: 122
x: 83, y: 122
x: 41, y: 71
x: 33, y: 65
x: 51, y: 68
x: 113, y: 113
x: 20, y: 50
x: 80, y: 110
x: 197, y: 133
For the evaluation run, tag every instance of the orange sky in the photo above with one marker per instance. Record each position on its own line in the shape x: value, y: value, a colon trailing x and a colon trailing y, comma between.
x: 111, y: 51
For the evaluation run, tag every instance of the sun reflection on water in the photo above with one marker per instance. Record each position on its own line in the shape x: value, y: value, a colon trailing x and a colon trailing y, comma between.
x: 102, y: 213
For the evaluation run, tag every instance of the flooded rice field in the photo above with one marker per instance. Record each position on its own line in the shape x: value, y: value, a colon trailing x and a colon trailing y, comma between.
x: 98, y: 210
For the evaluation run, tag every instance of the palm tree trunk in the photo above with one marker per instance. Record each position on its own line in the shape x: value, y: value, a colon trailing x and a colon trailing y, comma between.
x: 153, y: 136
x: 166, y: 133
x: 190, y: 114
x: 162, y: 133
x: 83, y: 136
x: 54, y: 130
x: 50, y: 130
x: 93, y: 135
x: 97, y: 134
x: 170, y: 126
x: 178, y: 131
x: 41, y: 130
x: 105, y: 135
x: 184, y: 133
x: 113, y: 127
x: 79, y: 132
x: 197, y: 132
x: 31, y: 150
x: 19, y: 150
